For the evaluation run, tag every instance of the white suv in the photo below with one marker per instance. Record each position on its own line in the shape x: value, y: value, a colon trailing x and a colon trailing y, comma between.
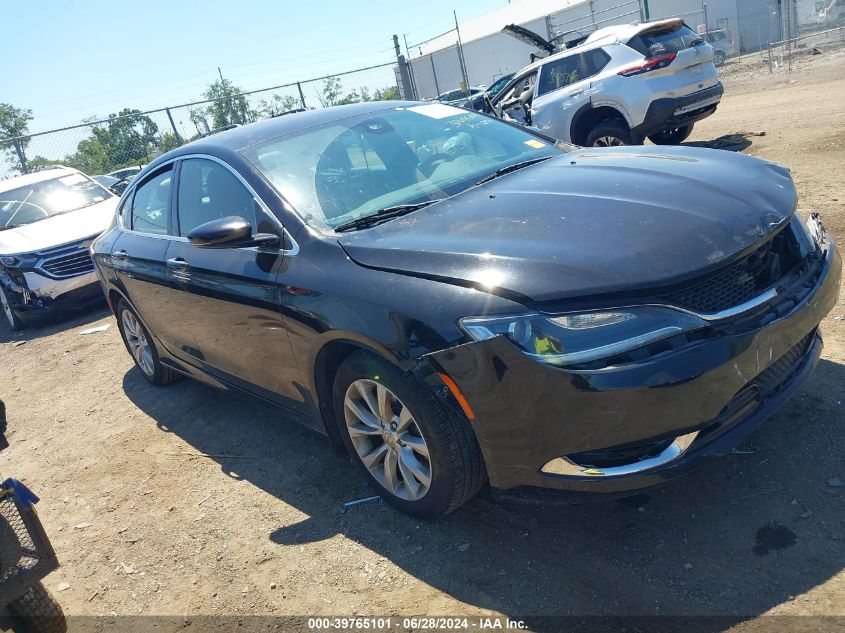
x: 47, y: 223
x: 621, y: 85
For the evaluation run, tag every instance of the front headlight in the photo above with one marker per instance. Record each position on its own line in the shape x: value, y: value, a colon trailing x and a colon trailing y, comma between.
x: 573, y: 339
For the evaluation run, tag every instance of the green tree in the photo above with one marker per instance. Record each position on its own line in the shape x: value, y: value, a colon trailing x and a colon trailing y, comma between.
x: 167, y: 142
x: 391, y: 93
x: 37, y: 162
x: 329, y: 92
x: 229, y: 106
x: 126, y: 138
x: 15, y: 122
x: 90, y: 157
x: 332, y: 93
x: 276, y: 105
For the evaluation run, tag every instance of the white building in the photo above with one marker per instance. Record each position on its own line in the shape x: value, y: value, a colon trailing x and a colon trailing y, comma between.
x: 489, y: 53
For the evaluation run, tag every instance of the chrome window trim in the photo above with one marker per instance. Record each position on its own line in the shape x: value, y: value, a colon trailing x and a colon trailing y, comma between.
x: 291, y: 252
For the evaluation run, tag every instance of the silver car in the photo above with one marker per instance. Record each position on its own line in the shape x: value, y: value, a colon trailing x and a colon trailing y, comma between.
x: 722, y: 43
x: 47, y: 223
x: 623, y: 84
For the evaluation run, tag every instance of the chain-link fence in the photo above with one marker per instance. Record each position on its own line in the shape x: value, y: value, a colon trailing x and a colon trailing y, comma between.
x: 131, y: 137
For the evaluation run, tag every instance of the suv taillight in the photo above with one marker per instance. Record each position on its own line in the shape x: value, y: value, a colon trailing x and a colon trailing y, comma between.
x: 653, y: 63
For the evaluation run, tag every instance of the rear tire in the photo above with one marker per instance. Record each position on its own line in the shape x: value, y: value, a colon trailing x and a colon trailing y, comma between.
x: 12, y: 319
x: 673, y: 136
x: 719, y: 58
x: 430, y: 445
x: 610, y: 133
x: 141, y: 347
x: 38, y: 611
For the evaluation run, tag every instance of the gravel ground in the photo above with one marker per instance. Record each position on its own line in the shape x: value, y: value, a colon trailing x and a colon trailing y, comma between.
x: 187, y: 500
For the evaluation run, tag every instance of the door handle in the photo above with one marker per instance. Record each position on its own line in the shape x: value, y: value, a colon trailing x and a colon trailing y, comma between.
x: 121, y: 254
x: 576, y: 93
x: 177, y: 262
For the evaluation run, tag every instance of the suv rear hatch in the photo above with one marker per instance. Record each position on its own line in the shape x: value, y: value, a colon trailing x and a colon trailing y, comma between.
x: 677, y: 61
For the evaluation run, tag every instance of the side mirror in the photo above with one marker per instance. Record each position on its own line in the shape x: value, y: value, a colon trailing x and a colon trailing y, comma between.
x: 229, y: 232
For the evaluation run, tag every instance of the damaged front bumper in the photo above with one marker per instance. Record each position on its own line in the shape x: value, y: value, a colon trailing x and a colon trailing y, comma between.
x: 638, y: 425
x: 34, y: 292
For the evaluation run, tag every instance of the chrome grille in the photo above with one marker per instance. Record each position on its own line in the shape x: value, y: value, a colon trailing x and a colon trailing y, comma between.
x: 70, y: 261
x: 741, y: 281
x: 733, y: 287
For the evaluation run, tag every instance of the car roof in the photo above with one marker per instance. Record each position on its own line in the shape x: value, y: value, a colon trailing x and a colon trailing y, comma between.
x: 38, y: 176
x: 253, y: 133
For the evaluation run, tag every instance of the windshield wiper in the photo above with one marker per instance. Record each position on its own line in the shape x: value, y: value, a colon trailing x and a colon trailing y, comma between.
x: 382, y: 215
x: 10, y: 226
x: 510, y: 168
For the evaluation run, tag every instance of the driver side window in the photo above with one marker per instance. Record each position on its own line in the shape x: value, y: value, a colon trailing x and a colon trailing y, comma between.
x: 209, y: 191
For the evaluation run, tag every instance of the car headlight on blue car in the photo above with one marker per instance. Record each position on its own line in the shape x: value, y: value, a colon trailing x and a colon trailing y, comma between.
x: 573, y: 339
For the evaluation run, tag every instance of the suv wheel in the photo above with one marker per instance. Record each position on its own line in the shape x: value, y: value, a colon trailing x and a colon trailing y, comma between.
x: 610, y: 133
x: 140, y: 346
x: 12, y: 319
x: 719, y: 58
x: 672, y: 136
x: 417, y: 453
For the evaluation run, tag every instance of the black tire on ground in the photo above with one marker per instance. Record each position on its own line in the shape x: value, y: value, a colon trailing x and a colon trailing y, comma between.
x: 610, y: 133
x: 160, y: 375
x: 455, y: 460
x: 38, y: 611
x: 12, y: 319
x: 719, y: 58
x: 673, y: 136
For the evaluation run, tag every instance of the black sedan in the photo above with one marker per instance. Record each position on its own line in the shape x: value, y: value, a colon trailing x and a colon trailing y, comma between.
x: 457, y: 300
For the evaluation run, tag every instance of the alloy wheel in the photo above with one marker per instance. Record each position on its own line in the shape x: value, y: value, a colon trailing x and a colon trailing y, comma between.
x: 608, y: 141
x: 139, y: 347
x: 387, y: 439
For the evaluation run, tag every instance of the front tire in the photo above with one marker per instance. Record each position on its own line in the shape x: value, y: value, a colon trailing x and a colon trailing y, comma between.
x: 38, y: 611
x: 417, y: 453
x: 141, y: 347
x: 610, y: 133
x: 672, y: 136
x: 719, y: 58
x: 12, y: 318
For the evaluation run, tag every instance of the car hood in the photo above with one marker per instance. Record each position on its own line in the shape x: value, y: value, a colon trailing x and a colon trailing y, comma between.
x: 592, y: 221
x: 58, y: 229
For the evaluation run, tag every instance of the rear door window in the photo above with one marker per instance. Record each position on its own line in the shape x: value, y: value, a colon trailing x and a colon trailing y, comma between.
x: 664, y: 41
x: 572, y: 69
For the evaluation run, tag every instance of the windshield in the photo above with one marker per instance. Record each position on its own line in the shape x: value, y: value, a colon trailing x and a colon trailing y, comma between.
x: 47, y: 198
x: 401, y: 156
x: 497, y: 86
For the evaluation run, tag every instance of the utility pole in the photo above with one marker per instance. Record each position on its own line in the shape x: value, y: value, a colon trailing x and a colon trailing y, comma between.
x: 461, y: 59
x: 221, y: 73
x: 410, y: 67
x: 406, y: 88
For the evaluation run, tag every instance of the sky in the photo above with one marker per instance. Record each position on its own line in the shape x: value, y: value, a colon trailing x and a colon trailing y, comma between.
x: 67, y: 61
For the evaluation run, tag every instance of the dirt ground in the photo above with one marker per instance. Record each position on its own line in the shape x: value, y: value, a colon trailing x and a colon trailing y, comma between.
x: 145, y: 525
